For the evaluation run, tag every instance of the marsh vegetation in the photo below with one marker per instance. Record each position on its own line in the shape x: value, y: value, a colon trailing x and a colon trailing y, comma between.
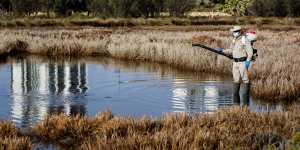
x: 275, y: 74
x: 226, y: 129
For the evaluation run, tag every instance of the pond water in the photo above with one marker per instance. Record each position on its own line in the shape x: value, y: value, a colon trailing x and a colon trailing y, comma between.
x: 33, y: 87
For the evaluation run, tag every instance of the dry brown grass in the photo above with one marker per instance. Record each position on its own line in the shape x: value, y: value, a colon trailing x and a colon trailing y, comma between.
x: 227, y: 129
x: 15, y: 143
x: 54, y: 43
x: 8, y: 129
x: 275, y: 74
x: 69, y: 131
x: 11, y: 138
x: 207, y: 40
x: 233, y: 128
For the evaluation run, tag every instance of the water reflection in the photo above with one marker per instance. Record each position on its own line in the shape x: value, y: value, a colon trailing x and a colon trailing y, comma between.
x: 43, y: 86
x: 39, y: 89
x: 205, y: 97
x: 210, y: 96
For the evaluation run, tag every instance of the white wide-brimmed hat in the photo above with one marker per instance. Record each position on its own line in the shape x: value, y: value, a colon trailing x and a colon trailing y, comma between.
x: 236, y: 28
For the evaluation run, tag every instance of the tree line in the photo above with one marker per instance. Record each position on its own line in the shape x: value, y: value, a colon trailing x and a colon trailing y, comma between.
x: 263, y: 8
x: 104, y: 8
x: 149, y: 8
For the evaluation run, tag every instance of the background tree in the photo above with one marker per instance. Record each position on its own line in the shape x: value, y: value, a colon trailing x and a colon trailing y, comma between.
x: 236, y: 7
x: 101, y: 8
x: 293, y: 8
x: 278, y: 8
x: 27, y: 7
x: 62, y: 7
x: 125, y: 8
x: 5, y: 5
x: 179, y: 7
x: 48, y: 6
x: 79, y: 5
x: 150, y: 8
x: 115, y: 8
x: 218, y: 1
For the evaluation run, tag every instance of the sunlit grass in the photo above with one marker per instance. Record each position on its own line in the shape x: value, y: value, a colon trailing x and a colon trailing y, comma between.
x: 232, y: 128
x: 11, y: 138
x: 275, y: 74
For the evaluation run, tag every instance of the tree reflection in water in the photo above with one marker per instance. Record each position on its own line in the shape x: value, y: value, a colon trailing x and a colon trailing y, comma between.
x: 39, y: 89
x: 206, y: 97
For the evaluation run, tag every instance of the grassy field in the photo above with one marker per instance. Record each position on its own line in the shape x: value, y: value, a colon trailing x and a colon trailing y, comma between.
x: 275, y: 75
x: 227, y: 129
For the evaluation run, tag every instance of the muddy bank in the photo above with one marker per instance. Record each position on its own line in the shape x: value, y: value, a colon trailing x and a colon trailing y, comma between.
x: 275, y: 74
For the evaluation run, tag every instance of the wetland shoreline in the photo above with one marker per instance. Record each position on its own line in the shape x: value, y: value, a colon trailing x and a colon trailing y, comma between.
x: 275, y: 74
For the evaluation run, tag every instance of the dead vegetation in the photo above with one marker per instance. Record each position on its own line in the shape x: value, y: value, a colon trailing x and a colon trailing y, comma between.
x: 11, y: 138
x: 275, y: 74
x: 207, y: 40
x: 234, y: 128
x: 15, y: 143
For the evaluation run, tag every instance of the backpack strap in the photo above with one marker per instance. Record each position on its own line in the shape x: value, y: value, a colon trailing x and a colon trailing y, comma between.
x: 244, y: 40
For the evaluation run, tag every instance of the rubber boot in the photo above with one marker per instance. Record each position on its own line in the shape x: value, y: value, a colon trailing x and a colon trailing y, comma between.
x: 236, y: 93
x: 245, y: 94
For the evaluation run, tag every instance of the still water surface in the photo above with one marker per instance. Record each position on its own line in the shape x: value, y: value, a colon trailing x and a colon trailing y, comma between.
x: 32, y: 87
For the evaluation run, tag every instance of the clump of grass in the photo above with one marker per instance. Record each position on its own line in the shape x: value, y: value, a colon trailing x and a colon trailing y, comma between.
x: 69, y: 130
x: 227, y: 129
x: 8, y: 129
x: 16, y: 143
x: 11, y: 138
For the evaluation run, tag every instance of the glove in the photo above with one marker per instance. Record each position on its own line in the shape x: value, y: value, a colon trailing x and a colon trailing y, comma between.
x: 247, y: 64
x: 220, y: 49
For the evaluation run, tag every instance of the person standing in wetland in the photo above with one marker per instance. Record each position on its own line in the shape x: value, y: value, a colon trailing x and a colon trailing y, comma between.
x: 242, y: 52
